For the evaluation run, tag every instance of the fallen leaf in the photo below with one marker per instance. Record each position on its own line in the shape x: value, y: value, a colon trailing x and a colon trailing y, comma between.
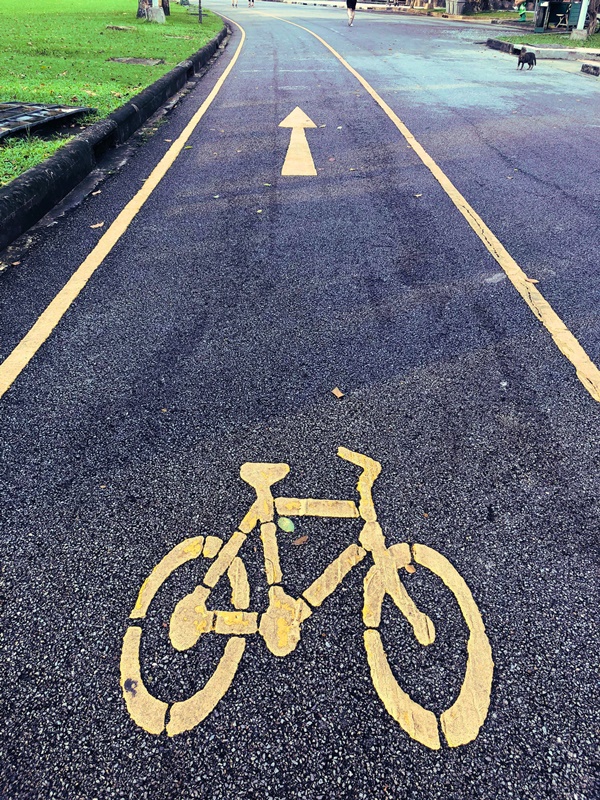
x: 189, y: 147
x: 15, y: 263
x: 339, y: 127
x: 216, y: 196
x: 164, y: 410
x: 97, y: 225
x: 98, y: 192
x: 259, y: 211
x: 531, y: 280
x: 266, y: 184
x: 168, y: 140
x: 409, y: 568
x: 286, y: 524
x: 301, y: 540
x: 417, y: 195
x: 337, y: 393
x: 426, y: 515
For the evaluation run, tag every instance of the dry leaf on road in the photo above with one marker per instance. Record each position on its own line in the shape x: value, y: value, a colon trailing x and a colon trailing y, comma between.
x: 97, y: 225
x: 301, y: 540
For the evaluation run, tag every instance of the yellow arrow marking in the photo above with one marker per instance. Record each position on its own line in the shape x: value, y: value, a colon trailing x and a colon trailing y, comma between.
x: 298, y: 160
x: 587, y: 372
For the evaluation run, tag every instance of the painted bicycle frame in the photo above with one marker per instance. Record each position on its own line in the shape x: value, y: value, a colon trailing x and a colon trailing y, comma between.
x: 280, y: 625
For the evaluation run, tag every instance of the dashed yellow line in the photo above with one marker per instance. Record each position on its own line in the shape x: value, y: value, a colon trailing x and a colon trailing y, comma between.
x: 20, y: 357
x: 587, y: 372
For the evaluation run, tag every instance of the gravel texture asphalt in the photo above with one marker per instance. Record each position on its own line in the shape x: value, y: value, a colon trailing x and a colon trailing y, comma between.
x: 213, y: 335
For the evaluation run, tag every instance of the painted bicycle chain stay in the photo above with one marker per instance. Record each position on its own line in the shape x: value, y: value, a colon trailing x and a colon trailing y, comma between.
x: 280, y: 624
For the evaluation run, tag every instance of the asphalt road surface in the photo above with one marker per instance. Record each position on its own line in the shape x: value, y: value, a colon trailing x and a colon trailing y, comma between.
x: 211, y: 334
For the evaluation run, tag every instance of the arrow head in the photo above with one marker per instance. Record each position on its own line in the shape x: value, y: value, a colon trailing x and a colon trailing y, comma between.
x: 297, y: 119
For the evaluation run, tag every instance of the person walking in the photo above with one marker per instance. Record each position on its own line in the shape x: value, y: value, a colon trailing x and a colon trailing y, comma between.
x: 351, y: 9
x: 234, y: 3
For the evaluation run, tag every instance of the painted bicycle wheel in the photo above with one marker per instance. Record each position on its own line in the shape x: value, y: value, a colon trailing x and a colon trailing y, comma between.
x: 461, y: 722
x: 189, y: 621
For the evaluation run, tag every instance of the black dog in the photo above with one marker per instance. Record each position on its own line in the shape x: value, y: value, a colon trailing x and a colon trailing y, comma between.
x: 526, y: 58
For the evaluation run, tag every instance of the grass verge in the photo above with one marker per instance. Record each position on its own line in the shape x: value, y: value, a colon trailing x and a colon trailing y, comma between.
x: 553, y: 40
x: 508, y: 15
x: 59, y: 51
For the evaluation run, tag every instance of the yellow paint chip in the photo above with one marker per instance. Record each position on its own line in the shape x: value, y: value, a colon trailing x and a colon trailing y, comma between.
x: 97, y: 225
x: 337, y: 393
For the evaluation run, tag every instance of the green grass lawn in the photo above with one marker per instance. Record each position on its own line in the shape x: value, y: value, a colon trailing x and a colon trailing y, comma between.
x: 508, y: 15
x: 59, y: 51
x: 546, y: 39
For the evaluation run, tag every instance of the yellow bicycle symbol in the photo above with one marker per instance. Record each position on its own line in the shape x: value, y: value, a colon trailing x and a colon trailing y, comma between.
x: 280, y: 624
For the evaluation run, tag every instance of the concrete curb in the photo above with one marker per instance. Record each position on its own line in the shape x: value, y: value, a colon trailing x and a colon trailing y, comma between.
x: 576, y: 54
x: 26, y: 199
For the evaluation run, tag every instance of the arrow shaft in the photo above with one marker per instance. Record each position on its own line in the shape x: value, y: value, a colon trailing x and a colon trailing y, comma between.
x: 298, y: 160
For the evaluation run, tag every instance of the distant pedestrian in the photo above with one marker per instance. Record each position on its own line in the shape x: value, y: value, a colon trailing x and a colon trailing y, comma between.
x: 234, y: 3
x: 522, y: 8
x: 250, y: 3
x: 351, y: 9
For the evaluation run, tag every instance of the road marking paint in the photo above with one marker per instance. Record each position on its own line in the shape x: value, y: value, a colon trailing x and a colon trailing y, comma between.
x: 280, y: 625
x: 462, y: 721
x: 332, y: 576
x: 587, y: 372
x: 19, y: 358
x: 186, y: 714
x: 184, y: 551
x: 298, y: 160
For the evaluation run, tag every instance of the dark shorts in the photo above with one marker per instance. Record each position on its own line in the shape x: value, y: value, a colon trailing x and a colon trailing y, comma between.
x: 351, y: 4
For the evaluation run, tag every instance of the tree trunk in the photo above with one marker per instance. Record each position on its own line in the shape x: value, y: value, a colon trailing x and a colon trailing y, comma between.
x: 593, y: 15
x: 141, y: 11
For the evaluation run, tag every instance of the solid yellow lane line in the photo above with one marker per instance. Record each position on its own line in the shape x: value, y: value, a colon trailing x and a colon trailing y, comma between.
x: 587, y: 372
x: 18, y: 359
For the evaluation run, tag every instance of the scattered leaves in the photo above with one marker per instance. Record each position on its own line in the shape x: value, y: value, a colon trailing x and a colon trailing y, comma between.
x: 286, y: 524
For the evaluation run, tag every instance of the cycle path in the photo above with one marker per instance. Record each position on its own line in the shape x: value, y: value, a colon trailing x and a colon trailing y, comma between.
x: 212, y: 335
